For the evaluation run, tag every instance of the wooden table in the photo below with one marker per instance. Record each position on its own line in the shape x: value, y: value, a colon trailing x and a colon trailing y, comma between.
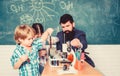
x: 87, y: 70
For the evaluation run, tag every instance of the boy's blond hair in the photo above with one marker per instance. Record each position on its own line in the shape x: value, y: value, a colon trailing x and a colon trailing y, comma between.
x: 22, y: 32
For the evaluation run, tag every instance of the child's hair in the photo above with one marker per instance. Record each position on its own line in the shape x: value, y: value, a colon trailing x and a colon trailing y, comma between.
x: 38, y: 28
x: 22, y: 32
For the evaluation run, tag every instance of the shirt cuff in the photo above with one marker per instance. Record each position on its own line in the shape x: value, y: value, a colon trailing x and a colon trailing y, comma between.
x: 80, y: 45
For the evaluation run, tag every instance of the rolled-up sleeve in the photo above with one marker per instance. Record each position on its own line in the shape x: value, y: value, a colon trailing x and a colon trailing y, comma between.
x: 37, y: 43
x: 13, y: 59
x: 16, y: 55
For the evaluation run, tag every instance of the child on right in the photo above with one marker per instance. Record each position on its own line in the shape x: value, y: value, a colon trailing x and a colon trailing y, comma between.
x: 43, y: 51
x: 25, y: 55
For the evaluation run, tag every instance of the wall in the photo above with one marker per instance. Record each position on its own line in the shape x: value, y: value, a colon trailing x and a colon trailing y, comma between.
x: 106, y: 58
x: 100, y: 19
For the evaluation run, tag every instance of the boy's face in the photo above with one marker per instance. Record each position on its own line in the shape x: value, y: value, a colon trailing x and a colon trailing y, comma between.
x: 27, y: 42
x: 67, y: 27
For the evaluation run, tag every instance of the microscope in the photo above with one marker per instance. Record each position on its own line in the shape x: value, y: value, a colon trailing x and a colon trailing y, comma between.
x: 68, y: 59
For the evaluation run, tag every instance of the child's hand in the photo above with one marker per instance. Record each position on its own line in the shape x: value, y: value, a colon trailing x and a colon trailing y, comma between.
x: 24, y: 58
x: 42, y: 53
x: 47, y: 33
x: 50, y: 30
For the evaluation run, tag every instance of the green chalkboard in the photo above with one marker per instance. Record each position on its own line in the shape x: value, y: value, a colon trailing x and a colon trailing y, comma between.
x: 100, y: 19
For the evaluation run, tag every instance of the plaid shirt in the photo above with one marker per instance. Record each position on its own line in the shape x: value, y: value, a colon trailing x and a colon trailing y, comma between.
x: 30, y: 67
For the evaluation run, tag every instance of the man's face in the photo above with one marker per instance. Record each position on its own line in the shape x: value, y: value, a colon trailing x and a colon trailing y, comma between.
x: 67, y: 27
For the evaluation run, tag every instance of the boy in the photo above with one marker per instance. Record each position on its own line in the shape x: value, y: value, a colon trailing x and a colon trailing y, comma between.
x: 25, y: 56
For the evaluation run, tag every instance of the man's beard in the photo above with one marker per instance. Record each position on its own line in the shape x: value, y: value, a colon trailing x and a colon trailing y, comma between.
x: 69, y: 35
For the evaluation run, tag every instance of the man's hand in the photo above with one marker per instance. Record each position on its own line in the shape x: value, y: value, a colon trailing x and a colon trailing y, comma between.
x: 76, y: 43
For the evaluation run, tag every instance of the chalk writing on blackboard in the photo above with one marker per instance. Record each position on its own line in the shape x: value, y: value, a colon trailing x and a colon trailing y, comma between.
x: 66, y: 6
x: 29, y: 12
